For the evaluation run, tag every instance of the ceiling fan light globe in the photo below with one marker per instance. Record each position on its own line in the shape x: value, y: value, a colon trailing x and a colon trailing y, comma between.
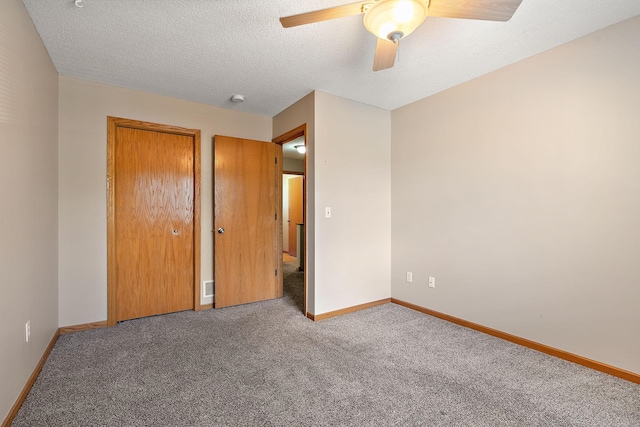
x: 395, y: 16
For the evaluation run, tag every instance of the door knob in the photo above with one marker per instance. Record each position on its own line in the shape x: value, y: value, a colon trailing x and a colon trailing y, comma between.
x: 175, y: 232
x: 221, y: 230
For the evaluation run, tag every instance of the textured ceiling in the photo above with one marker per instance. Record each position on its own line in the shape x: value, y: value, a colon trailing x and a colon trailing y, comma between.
x: 289, y: 149
x: 208, y: 50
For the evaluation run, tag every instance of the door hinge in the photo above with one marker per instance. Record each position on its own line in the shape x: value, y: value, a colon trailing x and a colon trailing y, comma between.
x: 276, y: 216
x: 276, y: 271
x: 276, y: 160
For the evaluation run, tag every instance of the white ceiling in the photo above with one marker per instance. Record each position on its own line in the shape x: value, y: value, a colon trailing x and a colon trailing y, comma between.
x: 207, y: 50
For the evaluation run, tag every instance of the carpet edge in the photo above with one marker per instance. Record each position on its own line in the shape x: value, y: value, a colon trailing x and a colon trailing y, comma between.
x: 32, y: 379
x: 552, y: 351
x: 327, y: 315
x: 82, y: 327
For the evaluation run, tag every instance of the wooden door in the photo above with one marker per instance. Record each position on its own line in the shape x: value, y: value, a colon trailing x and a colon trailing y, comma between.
x: 295, y: 212
x: 154, y: 220
x: 247, y: 224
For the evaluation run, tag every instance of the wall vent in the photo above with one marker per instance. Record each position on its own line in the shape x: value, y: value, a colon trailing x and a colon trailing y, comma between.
x: 207, y: 289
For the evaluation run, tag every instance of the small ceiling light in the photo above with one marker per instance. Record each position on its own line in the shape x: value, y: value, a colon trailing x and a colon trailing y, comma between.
x: 395, y: 19
x: 237, y: 98
x: 79, y: 3
x: 300, y: 148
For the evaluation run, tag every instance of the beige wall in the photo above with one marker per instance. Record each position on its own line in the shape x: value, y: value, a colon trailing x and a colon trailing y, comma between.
x: 520, y: 193
x: 298, y: 114
x: 28, y: 200
x: 352, y: 176
x: 293, y: 165
x: 84, y: 107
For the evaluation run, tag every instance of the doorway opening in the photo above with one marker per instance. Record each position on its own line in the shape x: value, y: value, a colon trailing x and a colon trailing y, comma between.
x: 294, y: 210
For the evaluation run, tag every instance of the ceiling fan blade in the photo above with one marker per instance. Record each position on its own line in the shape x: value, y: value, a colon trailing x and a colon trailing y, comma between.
x: 488, y: 10
x: 385, y: 54
x: 323, y: 15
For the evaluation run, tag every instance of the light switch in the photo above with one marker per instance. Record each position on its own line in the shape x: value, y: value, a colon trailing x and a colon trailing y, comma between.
x: 327, y: 212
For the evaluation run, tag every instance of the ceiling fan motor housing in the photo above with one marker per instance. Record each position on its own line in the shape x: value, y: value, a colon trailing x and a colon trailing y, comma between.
x: 395, y: 36
x: 395, y: 19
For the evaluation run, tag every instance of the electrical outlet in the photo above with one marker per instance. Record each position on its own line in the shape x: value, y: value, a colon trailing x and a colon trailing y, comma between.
x: 432, y: 282
x: 27, y: 331
x: 409, y: 276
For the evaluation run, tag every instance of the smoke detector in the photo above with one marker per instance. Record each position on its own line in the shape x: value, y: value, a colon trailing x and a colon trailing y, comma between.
x: 237, y: 98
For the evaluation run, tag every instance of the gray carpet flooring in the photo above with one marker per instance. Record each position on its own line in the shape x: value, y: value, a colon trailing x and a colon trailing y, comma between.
x: 265, y: 364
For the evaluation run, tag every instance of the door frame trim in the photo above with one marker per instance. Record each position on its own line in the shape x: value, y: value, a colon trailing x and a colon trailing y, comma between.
x: 282, y: 139
x: 113, y: 123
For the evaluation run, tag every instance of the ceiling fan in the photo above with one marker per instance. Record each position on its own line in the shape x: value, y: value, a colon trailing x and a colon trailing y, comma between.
x: 392, y: 20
